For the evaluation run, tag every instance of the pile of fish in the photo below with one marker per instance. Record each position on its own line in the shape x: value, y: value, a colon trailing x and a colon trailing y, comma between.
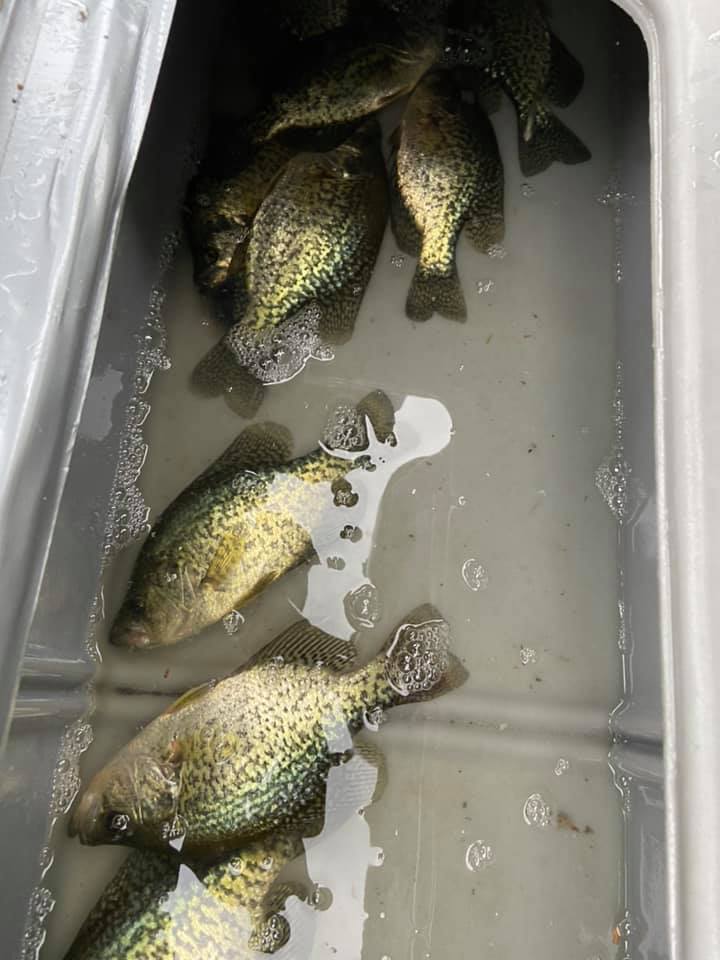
x: 286, y: 218
x: 287, y: 215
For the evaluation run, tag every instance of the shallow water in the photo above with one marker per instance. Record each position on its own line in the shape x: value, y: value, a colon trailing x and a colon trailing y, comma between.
x: 499, y: 831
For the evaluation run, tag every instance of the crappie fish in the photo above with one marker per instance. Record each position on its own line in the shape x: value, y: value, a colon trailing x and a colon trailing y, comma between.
x: 221, y: 210
x: 315, y: 239
x: 247, y: 520
x: 447, y: 177
x: 354, y: 80
x: 159, y: 908
x: 255, y: 752
x: 165, y: 906
x: 535, y: 69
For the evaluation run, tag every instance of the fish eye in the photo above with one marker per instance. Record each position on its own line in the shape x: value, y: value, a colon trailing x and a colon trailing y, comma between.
x: 117, y: 823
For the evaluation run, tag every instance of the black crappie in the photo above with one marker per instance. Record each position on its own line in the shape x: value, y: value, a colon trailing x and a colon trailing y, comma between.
x: 246, y: 521
x: 447, y: 177
x: 314, y: 240
x: 253, y: 752
x: 535, y: 69
x: 159, y: 908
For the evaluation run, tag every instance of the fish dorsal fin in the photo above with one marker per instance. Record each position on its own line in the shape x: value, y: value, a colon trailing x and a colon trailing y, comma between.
x: 302, y: 643
x: 194, y: 693
x: 259, y: 445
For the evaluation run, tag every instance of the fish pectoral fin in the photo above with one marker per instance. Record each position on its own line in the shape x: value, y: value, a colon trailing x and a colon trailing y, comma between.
x: 194, y: 693
x: 226, y: 558
x: 303, y: 643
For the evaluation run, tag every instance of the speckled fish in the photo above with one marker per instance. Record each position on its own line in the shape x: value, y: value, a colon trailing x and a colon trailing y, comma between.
x: 159, y: 908
x: 534, y: 69
x: 356, y: 80
x: 315, y: 239
x: 221, y: 209
x: 447, y: 177
x: 251, y: 517
x: 255, y: 751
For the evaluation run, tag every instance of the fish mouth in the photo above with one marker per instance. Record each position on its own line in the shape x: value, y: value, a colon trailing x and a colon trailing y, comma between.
x: 133, y: 634
x: 86, y: 820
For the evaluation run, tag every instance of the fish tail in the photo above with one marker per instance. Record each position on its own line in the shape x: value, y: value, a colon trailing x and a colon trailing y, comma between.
x: 219, y: 372
x: 417, y: 661
x: 549, y: 141
x: 433, y: 292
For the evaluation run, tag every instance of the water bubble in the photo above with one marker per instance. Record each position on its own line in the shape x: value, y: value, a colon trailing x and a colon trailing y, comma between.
x: 484, y: 286
x: 418, y: 657
x: 561, y: 767
x: 528, y: 655
x: 479, y: 855
x: 397, y: 261
x: 233, y: 621
x: 527, y: 190
x: 497, y: 251
x: 119, y: 823
x: 536, y: 812
x: 351, y: 533
x: 321, y: 897
x: 462, y: 501
x: 276, y: 354
x: 335, y: 563
x: 374, y: 718
x: 362, y: 606
x: 475, y: 575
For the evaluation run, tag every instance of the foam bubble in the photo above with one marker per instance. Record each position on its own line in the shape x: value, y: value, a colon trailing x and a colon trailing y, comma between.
x: 479, y: 855
x: 536, y: 812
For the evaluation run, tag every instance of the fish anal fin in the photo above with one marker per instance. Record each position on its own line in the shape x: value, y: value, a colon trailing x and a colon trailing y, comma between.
x: 220, y: 373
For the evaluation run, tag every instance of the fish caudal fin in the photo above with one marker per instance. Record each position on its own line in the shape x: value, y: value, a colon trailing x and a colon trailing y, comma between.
x: 219, y: 372
x: 566, y: 76
x: 417, y: 659
x: 550, y: 140
x: 346, y: 427
x: 431, y: 293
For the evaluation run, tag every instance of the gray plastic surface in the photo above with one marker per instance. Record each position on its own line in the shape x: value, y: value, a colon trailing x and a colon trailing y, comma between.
x: 87, y: 76
x: 77, y: 80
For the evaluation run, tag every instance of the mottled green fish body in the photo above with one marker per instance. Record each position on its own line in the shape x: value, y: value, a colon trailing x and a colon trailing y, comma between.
x: 535, y: 69
x: 159, y: 908
x: 253, y: 752
x: 249, y: 519
x: 447, y: 177
x: 314, y: 240
x: 222, y: 209
x: 354, y: 83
